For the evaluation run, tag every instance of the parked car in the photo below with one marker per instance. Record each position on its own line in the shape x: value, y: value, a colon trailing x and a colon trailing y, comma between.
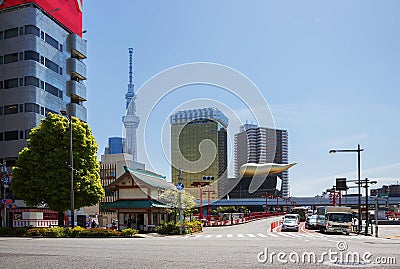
x: 290, y: 224
x: 311, y: 222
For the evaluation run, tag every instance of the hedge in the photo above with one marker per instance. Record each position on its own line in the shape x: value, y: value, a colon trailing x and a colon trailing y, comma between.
x: 173, y: 228
x: 77, y: 232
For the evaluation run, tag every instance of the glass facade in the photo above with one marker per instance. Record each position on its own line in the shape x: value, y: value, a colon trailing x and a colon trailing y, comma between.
x: 191, y: 137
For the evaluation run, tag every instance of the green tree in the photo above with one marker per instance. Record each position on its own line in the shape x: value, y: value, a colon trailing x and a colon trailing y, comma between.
x: 41, y: 175
x: 170, y: 198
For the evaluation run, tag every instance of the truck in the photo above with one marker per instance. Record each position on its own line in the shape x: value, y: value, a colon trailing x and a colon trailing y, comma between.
x: 333, y: 219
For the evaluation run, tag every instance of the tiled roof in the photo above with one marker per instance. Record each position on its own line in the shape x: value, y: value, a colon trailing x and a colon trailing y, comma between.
x: 150, y: 178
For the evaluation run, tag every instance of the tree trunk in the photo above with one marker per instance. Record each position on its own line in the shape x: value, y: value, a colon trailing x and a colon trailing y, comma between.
x: 61, y: 219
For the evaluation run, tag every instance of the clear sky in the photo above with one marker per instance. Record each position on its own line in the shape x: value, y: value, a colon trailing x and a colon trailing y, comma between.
x: 329, y: 71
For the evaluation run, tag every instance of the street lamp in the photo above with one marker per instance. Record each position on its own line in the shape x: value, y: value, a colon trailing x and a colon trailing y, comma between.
x: 71, y: 161
x: 358, y: 150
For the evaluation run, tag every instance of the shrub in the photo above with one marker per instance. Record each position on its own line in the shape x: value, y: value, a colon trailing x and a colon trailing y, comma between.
x: 173, y: 228
x: 99, y: 232
x: 9, y: 231
x: 129, y: 232
x: 73, y: 232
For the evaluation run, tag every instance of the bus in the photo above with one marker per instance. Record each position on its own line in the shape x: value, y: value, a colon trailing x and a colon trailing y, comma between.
x: 301, y: 211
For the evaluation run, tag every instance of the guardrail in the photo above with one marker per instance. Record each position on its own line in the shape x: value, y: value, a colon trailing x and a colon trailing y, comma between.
x: 208, y: 223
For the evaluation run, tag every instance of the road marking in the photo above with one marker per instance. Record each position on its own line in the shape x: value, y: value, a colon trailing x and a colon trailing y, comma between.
x: 219, y: 235
x: 251, y: 235
x: 273, y: 235
x: 229, y: 235
x: 283, y: 234
x: 199, y: 235
x: 240, y: 235
x: 208, y: 236
x: 262, y: 235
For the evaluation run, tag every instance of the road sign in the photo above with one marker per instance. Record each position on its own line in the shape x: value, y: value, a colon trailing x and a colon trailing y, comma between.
x: 180, y: 186
x: 6, y: 180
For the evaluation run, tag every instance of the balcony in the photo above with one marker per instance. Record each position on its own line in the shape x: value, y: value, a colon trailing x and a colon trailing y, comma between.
x: 75, y: 88
x: 78, y: 111
x: 77, y: 46
x: 76, y: 68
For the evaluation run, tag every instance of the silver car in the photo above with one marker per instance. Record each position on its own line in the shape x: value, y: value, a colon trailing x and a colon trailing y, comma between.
x: 290, y: 225
x: 311, y: 222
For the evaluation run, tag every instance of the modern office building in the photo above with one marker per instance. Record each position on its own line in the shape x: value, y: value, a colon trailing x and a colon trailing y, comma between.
x: 192, y: 132
x: 115, y: 145
x: 41, y: 67
x: 255, y: 144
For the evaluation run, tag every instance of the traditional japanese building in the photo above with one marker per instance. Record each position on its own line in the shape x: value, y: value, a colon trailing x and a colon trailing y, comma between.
x: 137, y: 199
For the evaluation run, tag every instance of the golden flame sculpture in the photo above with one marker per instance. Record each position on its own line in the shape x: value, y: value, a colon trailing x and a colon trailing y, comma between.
x: 263, y: 169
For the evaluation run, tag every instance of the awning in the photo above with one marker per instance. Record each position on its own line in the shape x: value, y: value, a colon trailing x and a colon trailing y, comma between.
x: 134, y: 204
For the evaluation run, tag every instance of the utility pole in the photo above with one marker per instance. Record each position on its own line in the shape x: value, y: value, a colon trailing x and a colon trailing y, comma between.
x: 5, y: 185
x: 179, y: 186
x: 376, y: 215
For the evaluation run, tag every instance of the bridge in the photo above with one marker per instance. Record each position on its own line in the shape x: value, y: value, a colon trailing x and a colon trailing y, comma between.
x: 258, y: 204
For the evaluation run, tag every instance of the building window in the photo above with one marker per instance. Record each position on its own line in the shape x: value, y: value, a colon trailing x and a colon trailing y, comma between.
x: 31, y: 55
x: 42, y: 84
x: 60, y: 70
x: 52, y: 90
x: 41, y: 59
x: 21, y: 82
x: 10, y: 135
x: 21, y: 30
x: 42, y: 35
x: 11, y: 58
x: 1, y: 110
x: 10, y: 83
x: 61, y: 47
x: 31, y: 81
x: 42, y: 110
x: 1, y: 35
x: 1, y: 59
x: 11, y: 109
x: 21, y: 108
x: 10, y: 33
x: 51, y: 41
x: 32, y: 30
x: 51, y: 65
x: 1, y: 136
x: 31, y: 107
x: 27, y: 133
x: 21, y: 134
x: 1, y: 84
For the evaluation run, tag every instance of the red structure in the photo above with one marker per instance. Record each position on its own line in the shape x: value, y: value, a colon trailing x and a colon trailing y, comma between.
x: 67, y: 12
x: 209, y: 203
x: 201, y: 185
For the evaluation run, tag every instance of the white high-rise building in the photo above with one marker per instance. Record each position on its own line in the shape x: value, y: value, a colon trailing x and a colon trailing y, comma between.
x: 130, y: 120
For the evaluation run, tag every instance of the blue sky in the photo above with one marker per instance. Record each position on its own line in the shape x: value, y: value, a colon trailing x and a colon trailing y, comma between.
x: 329, y: 71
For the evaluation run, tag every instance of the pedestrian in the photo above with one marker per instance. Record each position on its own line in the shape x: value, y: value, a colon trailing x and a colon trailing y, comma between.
x: 94, y: 224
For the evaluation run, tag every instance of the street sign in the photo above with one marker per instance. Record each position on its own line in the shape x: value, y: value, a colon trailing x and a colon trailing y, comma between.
x: 180, y: 186
x: 6, y: 180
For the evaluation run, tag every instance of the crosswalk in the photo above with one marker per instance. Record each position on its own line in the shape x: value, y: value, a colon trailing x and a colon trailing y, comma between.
x: 283, y: 235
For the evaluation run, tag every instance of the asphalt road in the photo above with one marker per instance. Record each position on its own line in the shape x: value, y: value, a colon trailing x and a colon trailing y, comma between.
x: 239, y: 246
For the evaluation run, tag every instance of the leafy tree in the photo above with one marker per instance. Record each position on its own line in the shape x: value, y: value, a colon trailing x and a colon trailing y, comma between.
x: 41, y: 175
x: 170, y: 197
